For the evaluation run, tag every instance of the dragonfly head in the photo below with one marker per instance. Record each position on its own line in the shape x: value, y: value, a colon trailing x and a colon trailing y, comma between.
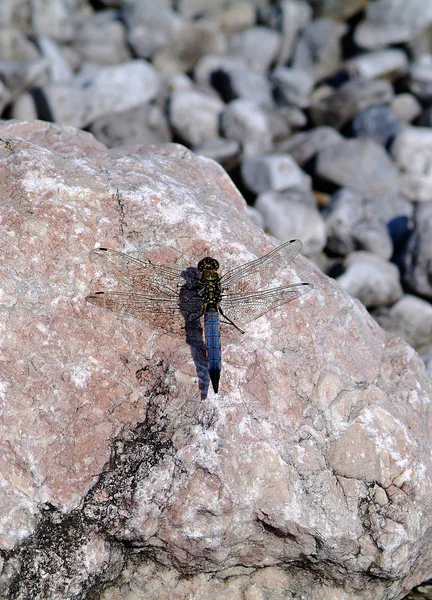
x: 208, y: 264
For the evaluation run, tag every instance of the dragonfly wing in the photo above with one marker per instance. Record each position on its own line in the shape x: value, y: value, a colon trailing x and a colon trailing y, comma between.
x: 141, y: 276
x: 168, y: 314
x: 158, y: 295
x: 242, y: 308
x: 258, y: 273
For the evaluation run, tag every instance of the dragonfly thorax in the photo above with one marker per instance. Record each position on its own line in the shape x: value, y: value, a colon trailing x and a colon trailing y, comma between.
x: 210, y: 290
x: 208, y: 264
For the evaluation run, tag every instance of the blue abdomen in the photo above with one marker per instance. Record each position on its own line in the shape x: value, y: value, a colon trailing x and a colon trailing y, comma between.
x: 213, y: 346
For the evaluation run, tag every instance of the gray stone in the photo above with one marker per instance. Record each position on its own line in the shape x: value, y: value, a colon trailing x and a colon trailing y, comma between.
x: 15, y: 15
x: 420, y: 78
x: 353, y: 223
x: 5, y: 97
x: 337, y: 9
x: 225, y: 152
x: 19, y: 76
x: 189, y: 9
x: 58, y: 19
x: 420, y: 45
x: 23, y: 109
x: 409, y: 318
x: 116, y: 88
x: 375, y: 238
x: 102, y: 39
x: 150, y: 24
x: 321, y: 91
x: 360, y: 164
x: 258, y: 46
x: 412, y: 151
x: 339, y: 107
x: 235, y: 17
x: 388, y: 208
x: 143, y: 125
x: 425, y: 119
x: 292, y: 86
x: 389, y: 63
x: 67, y: 104
x: 279, y: 123
x: 270, y: 14
x: 304, y: 145
x: 233, y: 79
x: 111, y: 3
x: 247, y: 123
x: 234, y: 82
x: 293, y: 214
x: 273, y: 172
x: 296, y: 14
x: 194, y: 115
x: 392, y: 22
x: 426, y: 356
x: 98, y: 92
x: 59, y: 69
x: 318, y: 50
x: 187, y: 45
x: 406, y: 107
x: 295, y: 117
x: 170, y: 84
x: 377, y: 122
x: 14, y: 45
x: 72, y: 57
x: 213, y: 63
x: 371, y: 279
x: 418, y: 259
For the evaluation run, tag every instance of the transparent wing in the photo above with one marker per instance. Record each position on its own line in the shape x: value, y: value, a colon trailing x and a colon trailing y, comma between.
x: 161, y: 296
x: 141, y: 276
x: 258, y: 273
x: 242, y: 308
x: 164, y: 314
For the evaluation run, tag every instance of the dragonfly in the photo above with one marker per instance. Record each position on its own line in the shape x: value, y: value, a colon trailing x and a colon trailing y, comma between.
x: 172, y: 299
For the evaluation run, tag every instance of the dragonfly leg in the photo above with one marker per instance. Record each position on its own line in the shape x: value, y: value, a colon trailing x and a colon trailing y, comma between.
x: 229, y: 322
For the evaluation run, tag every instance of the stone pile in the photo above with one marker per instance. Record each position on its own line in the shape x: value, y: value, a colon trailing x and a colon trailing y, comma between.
x: 320, y: 111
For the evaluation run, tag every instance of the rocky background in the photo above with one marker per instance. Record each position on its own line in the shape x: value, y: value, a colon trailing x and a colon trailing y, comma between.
x: 320, y: 112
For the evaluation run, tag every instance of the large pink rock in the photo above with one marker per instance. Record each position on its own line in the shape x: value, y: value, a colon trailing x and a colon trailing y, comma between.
x: 309, y: 472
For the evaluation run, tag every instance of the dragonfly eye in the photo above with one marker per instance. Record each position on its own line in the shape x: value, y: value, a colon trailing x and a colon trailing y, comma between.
x: 208, y: 264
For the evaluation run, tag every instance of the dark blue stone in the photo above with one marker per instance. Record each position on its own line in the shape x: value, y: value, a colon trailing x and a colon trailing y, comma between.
x: 399, y: 229
x: 376, y: 122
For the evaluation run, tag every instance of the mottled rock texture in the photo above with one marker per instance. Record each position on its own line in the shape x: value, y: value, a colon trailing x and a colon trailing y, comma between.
x: 309, y: 474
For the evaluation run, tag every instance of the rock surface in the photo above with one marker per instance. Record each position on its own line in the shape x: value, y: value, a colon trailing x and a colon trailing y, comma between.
x: 371, y: 279
x: 313, y: 463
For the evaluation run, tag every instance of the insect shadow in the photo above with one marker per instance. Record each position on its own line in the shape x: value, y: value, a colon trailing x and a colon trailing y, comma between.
x: 191, y: 308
